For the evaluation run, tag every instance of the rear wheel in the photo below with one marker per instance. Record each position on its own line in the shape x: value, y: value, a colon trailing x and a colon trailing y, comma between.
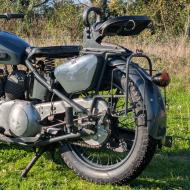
x: 127, y: 152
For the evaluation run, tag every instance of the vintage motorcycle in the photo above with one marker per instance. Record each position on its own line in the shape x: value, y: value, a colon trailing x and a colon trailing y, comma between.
x: 104, y: 112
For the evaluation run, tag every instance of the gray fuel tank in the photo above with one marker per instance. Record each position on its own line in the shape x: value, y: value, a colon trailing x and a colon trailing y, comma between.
x: 80, y: 74
x: 12, y: 49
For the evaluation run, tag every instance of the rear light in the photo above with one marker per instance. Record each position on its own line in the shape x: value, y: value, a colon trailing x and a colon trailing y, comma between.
x: 161, y: 79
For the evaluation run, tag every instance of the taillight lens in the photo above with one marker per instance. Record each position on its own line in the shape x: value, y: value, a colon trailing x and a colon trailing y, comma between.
x: 161, y: 79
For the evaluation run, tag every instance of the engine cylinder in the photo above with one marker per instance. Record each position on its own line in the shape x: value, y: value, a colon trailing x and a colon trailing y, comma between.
x: 15, y: 85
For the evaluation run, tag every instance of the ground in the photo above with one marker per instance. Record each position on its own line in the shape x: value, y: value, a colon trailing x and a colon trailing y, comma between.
x: 168, y: 170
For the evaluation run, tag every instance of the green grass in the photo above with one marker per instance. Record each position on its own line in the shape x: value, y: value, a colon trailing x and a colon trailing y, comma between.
x: 170, y: 168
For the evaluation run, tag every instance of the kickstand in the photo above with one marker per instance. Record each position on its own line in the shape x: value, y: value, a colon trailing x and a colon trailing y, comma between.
x: 33, y: 161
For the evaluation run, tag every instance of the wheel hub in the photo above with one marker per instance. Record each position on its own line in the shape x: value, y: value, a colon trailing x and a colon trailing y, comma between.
x: 102, y: 126
x: 99, y: 138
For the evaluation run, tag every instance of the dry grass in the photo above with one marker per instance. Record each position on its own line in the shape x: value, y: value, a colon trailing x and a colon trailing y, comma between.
x: 51, y: 41
x: 173, y: 51
x: 173, y: 56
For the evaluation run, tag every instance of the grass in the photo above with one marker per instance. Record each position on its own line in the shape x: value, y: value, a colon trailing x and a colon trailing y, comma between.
x: 170, y: 168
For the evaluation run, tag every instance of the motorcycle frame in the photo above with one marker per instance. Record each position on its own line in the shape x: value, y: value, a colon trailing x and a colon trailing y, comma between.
x: 92, y: 45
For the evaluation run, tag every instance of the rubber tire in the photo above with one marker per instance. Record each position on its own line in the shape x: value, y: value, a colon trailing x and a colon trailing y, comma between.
x: 143, y: 152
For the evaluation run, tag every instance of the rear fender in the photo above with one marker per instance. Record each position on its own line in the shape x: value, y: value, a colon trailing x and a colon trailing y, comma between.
x: 153, y: 100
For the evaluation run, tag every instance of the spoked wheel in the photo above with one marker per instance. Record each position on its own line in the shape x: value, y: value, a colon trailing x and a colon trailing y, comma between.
x: 127, y: 151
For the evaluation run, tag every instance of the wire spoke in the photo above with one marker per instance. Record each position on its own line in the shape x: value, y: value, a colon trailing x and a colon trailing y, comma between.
x: 118, y: 146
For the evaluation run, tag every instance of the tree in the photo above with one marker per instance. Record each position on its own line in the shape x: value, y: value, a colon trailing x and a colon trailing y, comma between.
x: 169, y: 16
x: 65, y: 16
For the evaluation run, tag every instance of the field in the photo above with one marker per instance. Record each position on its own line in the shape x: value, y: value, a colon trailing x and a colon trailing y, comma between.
x: 170, y: 168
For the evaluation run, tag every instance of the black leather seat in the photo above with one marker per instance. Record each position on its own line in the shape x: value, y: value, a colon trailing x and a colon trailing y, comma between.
x: 53, y: 51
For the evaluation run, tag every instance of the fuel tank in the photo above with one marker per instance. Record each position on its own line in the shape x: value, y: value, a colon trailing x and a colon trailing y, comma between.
x: 80, y: 74
x: 12, y: 49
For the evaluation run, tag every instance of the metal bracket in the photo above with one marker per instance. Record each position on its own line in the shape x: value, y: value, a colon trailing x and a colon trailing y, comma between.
x: 127, y: 75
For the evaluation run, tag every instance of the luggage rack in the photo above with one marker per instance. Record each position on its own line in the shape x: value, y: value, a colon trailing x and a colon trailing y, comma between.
x: 127, y: 71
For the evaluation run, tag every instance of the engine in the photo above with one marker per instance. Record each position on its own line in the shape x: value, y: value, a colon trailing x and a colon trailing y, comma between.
x: 18, y: 92
x: 24, y: 111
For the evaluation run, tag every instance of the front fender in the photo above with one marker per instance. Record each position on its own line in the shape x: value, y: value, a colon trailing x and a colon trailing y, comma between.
x: 153, y: 100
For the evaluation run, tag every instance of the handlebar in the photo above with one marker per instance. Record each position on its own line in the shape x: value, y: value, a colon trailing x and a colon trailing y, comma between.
x: 10, y: 16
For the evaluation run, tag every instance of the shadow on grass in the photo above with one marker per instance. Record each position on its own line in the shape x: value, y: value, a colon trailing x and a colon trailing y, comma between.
x: 167, y: 171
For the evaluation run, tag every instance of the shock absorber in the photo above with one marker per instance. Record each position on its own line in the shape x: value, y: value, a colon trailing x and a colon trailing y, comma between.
x: 69, y: 118
x: 49, y: 65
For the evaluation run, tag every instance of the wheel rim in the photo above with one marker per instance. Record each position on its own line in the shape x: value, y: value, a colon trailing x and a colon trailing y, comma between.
x: 107, y: 157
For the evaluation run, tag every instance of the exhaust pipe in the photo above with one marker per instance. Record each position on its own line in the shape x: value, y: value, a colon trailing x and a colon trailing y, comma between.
x: 33, y: 141
x: 57, y: 139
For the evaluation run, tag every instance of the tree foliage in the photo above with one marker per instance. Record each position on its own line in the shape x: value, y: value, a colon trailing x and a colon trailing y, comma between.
x: 64, y: 17
x: 169, y: 16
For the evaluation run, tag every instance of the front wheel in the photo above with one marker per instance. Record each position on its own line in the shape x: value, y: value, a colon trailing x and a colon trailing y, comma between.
x: 125, y: 154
